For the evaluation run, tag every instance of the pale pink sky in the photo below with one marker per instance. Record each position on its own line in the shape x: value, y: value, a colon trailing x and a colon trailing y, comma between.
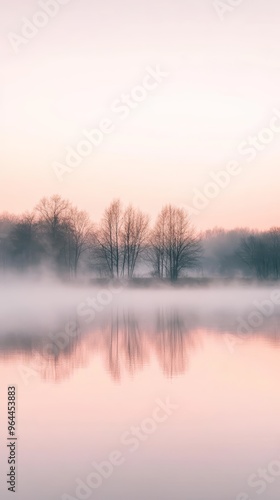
x: 222, y: 87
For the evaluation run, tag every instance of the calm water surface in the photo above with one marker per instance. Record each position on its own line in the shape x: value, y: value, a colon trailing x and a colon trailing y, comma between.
x: 105, y: 389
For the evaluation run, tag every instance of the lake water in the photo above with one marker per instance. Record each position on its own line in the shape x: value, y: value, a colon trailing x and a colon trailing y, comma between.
x: 140, y: 394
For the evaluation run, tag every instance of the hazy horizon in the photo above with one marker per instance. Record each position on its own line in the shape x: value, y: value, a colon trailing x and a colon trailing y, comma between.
x: 222, y: 87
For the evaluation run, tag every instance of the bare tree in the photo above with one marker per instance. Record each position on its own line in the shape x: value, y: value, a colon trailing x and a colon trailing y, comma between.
x: 53, y: 216
x: 273, y: 237
x: 108, y: 238
x: 220, y: 252
x: 134, y: 237
x: 158, y: 245
x: 26, y: 247
x: 174, y: 242
x: 82, y: 234
x: 121, y: 237
x: 253, y: 253
x: 261, y: 253
x: 7, y: 224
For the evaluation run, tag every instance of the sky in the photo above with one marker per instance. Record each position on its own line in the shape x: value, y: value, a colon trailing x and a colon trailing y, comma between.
x: 215, y: 88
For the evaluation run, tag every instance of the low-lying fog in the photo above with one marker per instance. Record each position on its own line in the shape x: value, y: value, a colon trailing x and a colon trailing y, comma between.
x: 27, y: 305
x: 62, y: 325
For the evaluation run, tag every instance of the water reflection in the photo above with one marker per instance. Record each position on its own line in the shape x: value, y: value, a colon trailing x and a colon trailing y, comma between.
x: 127, y: 341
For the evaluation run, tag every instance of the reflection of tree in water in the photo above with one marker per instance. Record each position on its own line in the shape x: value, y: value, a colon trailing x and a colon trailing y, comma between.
x: 61, y: 363
x: 41, y: 354
x: 114, y: 348
x: 172, y: 341
x: 126, y: 342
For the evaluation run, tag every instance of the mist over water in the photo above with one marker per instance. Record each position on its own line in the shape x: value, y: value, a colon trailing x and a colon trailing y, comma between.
x: 127, y: 326
x: 33, y: 299
x: 99, y: 357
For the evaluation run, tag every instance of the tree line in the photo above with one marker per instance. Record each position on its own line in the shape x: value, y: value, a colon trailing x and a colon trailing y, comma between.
x: 125, y: 243
x: 64, y: 238
x: 242, y: 252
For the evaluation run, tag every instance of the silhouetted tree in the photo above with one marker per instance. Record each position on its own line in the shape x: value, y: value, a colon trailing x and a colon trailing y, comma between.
x: 220, y: 255
x: 108, y: 238
x: 55, y: 229
x: 26, y: 248
x: 121, y: 237
x: 81, y: 235
x: 273, y: 237
x: 7, y: 224
x: 174, y: 243
x: 261, y: 253
x: 60, y: 235
x: 134, y: 235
